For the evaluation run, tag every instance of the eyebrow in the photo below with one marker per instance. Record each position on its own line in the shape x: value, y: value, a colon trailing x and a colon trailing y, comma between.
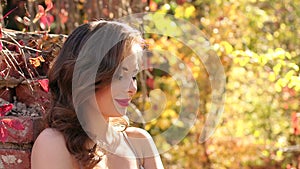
x: 126, y: 69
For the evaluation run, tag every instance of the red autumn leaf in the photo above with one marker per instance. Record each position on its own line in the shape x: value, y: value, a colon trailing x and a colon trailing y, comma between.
x: 153, y: 5
x: 294, y: 117
x: 21, y: 42
x: 44, y: 84
x: 295, y: 123
x: 180, y: 2
x: 150, y: 83
x: 63, y: 15
x: 46, y: 21
x: 13, y: 123
x: 49, y: 5
x: 2, y: 74
x: 1, y: 45
x: 41, y: 10
x: 3, y: 133
x: 40, y: 13
x: 5, y: 108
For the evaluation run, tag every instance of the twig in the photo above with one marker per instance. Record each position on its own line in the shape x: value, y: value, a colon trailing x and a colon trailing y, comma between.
x: 8, y: 13
x: 3, y: 73
x: 7, y: 56
x: 1, y: 14
x: 18, y: 44
x: 6, y: 52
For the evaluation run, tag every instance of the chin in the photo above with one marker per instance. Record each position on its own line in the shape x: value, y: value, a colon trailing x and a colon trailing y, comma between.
x: 121, y: 111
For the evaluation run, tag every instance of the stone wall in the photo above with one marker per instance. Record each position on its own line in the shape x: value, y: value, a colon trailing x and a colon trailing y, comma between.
x: 15, y: 152
x: 24, y: 61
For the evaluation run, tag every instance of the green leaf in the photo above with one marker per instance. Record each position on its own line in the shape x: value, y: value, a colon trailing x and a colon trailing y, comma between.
x: 157, y: 1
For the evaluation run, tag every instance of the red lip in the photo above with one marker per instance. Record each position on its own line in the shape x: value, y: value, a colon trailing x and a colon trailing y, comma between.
x: 123, y: 102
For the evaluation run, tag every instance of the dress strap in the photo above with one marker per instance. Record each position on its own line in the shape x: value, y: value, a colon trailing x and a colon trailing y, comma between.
x: 139, y: 160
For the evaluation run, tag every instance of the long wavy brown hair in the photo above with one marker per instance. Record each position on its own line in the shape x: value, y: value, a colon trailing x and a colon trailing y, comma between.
x: 62, y: 115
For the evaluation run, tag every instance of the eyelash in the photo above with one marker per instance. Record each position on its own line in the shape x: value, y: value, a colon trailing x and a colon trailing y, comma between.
x: 121, y: 77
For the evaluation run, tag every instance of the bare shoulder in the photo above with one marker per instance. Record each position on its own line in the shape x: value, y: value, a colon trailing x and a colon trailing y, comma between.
x: 137, y: 132
x: 145, y: 147
x: 50, y: 148
x: 49, y: 133
x: 50, y: 138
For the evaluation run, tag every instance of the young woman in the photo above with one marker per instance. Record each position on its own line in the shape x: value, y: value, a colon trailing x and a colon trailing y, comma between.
x: 92, y: 81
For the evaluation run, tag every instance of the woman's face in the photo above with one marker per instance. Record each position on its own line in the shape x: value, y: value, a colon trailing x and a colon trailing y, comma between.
x: 113, y: 99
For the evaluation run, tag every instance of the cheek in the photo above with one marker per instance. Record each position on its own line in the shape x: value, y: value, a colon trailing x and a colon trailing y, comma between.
x: 104, y: 98
x: 119, y: 87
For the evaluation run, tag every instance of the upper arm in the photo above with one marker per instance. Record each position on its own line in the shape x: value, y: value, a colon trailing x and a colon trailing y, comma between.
x: 49, y: 151
x: 144, y: 144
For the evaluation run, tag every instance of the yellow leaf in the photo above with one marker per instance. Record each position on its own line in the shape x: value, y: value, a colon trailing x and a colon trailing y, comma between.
x: 244, y: 61
x: 41, y: 58
x: 279, y: 154
x: 272, y: 77
x: 282, y: 82
x: 269, y: 36
x: 280, y: 53
x: 265, y: 153
x: 196, y: 75
x: 288, y: 55
x: 277, y: 68
x: 227, y: 46
x: 189, y: 11
x: 294, y: 66
x: 178, y: 123
x: 164, y: 124
x: 289, y: 74
x: 179, y: 12
x: 35, y: 62
x: 169, y: 113
x: 278, y: 87
x: 256, y: 133
x: 148, y: 126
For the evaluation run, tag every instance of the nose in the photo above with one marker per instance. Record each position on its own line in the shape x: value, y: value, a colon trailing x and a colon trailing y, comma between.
x: 132, y: 87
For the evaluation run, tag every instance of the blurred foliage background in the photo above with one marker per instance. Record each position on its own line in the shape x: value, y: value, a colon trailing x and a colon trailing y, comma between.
x: 258, y: 44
